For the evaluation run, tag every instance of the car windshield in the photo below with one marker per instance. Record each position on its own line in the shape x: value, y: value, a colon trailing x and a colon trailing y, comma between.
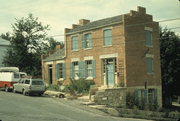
x: 37, y: 82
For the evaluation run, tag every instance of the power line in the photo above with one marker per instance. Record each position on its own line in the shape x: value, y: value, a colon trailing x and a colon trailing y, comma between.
x: 138, y: 24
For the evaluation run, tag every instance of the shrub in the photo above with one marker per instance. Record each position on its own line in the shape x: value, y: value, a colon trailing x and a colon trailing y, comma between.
x: 53, y: 87
x: 133, y: 102
x: 130, y: 100
x: 79, y: 86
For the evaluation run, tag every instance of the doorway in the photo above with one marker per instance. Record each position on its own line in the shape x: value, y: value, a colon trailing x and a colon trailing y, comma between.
x: 50, y: 74
x: 109, y: 71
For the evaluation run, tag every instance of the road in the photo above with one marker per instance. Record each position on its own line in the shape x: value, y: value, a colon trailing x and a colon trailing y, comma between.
x: 16, y: 107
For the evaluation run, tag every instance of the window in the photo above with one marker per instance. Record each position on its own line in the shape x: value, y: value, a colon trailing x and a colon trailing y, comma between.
x: 36, y: 82
x: 89, y: 68
x: 27, y: 81
x: 152, y: 96
x: 16, y: 75
x: 60, y: 71
x: 74, y: 43
x: 149, y: 65
x: 83, y: 69
x: 148, y: 38
x: 107, y: 37
x: 74, y: 70
x: 147, y: 96
x: 87, y: 41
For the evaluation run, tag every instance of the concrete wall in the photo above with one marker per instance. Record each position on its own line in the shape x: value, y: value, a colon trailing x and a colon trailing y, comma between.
x: 112, y: 97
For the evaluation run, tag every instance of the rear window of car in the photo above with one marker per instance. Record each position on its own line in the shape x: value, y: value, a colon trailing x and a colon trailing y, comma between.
x: 37, y: 82
x: 27, y: 81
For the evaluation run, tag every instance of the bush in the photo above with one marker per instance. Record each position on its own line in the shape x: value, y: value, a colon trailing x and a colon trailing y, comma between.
x: 53, y: 87
x: 132, y: 102
x: 80, y: 86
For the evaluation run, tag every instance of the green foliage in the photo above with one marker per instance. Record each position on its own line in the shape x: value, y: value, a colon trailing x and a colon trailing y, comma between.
x: 80, y: 86
x: 27, y: 43
x: 51, y: 45
x: 132, y: 102
x: 170, y: 62
x: 53, y: 87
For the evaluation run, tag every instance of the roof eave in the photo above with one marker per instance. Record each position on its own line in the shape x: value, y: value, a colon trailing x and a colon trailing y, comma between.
x: 69, y: 33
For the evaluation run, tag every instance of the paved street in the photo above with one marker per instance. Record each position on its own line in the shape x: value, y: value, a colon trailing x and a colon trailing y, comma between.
x: 16, y: 107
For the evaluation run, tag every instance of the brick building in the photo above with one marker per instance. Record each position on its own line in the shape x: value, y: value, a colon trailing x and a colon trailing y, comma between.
x: 121, y: 51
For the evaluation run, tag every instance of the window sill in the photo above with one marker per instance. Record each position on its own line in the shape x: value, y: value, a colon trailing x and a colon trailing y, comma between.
x: 152, y: 73
x: 75, y: 50
x: 149, y: 46
x: 107, y: 46
x: 87, y: 48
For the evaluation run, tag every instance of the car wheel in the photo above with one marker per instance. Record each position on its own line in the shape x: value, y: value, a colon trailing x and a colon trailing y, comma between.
x: 24, y: 92
x: 6, y: 89
x: 40, y: 94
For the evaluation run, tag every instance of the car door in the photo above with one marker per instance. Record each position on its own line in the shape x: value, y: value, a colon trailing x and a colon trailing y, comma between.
x: 16, y: 86
x: 20, y: 86
x: 26, y: 84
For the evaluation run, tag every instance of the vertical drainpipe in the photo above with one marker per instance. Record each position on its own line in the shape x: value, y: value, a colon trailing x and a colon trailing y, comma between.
x: 125, y: 69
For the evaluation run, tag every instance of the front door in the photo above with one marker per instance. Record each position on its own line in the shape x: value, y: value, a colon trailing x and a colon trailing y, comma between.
x: 50, y: 74
x: 110, y: 74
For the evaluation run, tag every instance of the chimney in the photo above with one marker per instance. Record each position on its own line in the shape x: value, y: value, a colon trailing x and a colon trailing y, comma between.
x: 83, y: 21
x: 74, y: 26
x: 133, y: 13
x: 141, y: 10
x: 58, y: 47
x: 66, y: 30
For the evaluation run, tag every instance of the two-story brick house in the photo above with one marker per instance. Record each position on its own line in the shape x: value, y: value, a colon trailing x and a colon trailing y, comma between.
x: 118, y: 51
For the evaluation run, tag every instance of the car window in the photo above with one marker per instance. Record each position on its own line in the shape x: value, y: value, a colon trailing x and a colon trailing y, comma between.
x: 22, y: 81
x: 37, y: 82
x: 22, y: 75
x: 16, y: 75
x: 27, y: 82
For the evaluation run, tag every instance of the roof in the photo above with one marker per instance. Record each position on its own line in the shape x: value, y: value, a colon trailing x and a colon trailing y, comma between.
x: 57, y: 55
x: 4, y: 42
x: 98, y: 23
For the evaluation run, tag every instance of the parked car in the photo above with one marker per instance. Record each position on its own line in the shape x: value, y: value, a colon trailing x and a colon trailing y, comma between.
x: 30, y: 86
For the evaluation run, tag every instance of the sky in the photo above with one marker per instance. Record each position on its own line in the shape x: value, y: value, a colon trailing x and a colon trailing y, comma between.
x: 60, y: 14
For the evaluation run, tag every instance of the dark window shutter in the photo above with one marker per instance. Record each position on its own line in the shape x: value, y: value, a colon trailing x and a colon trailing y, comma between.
x: 71, y: 70
x: 146, y: 96
x: 57, y: 71
x: 94, y: 68
x: 155, y: 96
x: 90, y: 40
x: 83, y: 42
x: 64, y: 71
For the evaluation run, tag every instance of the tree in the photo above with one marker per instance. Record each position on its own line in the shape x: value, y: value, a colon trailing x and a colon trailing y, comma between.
x: 170, y: 62
x: 51, y: 45
x: 27, y: 42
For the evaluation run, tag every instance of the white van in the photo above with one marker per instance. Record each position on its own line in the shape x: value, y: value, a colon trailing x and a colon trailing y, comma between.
x: 9, y: 76
x: 30, y: 86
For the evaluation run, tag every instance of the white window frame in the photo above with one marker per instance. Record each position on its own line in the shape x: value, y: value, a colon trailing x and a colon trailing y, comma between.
x: 150, y: 30
x: 105, y: 29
